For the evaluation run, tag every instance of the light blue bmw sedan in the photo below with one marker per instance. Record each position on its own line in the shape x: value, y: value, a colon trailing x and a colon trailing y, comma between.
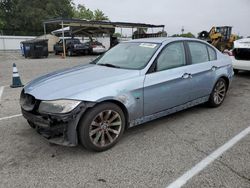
x: 133, y: 83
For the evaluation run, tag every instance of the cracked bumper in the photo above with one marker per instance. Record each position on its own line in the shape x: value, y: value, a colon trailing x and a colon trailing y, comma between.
x: 58, y: 129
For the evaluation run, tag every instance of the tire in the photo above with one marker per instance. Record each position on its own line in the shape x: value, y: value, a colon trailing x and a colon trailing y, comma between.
x: 56, y: 52
x: 96, y: 132
x: 32, y: 125
x: 236, y: 71
x: 218, y: 94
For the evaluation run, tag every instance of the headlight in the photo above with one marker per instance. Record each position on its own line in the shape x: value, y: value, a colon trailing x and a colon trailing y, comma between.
x: 58, y: 106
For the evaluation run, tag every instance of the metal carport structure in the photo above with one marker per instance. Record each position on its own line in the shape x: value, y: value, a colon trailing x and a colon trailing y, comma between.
x: 89, y: 28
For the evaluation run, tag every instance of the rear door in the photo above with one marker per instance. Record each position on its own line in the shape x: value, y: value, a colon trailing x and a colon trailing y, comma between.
x: 202, y: 68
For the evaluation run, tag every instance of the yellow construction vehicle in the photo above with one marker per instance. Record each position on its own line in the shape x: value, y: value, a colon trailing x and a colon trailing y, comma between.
x: 220, y: 37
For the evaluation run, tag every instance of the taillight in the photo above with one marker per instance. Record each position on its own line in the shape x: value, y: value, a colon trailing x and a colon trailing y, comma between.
x: 93, y: 46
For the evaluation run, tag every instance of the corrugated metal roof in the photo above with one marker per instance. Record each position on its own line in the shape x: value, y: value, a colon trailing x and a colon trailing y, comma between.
x: 80, y: 22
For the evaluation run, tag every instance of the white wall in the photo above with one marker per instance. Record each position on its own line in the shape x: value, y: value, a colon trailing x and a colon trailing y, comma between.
x: 12, y: 42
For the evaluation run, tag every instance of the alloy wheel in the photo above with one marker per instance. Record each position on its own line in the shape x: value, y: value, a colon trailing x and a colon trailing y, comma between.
x: 105, y: 128
x: 219, y: 92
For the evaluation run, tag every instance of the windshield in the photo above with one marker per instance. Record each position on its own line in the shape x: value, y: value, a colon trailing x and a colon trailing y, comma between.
x: 131, y: 55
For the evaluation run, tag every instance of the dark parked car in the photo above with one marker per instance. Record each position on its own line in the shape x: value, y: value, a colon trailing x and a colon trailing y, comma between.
x: 72, y: 46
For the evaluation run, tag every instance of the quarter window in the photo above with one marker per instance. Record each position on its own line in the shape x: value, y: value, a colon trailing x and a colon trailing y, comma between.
x: 171, y: 57
x: 212, y: 53
x: 198, y: 52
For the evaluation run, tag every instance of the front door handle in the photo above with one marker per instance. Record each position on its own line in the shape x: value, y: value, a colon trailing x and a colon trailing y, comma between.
x: 214, y: 68
x: 186, y: 75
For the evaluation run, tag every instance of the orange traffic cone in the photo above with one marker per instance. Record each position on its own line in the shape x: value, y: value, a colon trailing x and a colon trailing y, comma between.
x: 16, y: 80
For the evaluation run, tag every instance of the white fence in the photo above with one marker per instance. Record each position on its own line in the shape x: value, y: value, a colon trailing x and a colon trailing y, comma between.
x: 12, y: 42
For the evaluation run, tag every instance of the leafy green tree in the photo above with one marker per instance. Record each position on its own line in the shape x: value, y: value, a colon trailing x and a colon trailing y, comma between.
x: 175, y: 35
x: 25, y: 17
x: 84, y: 13
x: 118, y: 35
x: 188, y: 35
x: 238, y: 37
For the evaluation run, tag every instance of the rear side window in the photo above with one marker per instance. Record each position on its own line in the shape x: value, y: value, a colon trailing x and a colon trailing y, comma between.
x: 198, y: 52
x: 171, y: 57
x: 212, y: 53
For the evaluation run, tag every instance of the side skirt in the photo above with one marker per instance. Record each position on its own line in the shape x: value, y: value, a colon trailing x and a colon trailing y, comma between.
x: 168, y: 111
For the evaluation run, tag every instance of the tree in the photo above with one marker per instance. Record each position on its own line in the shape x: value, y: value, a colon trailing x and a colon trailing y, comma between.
x: 118, y: 35
x: 188, y: 35
x: 25, y: 17
x: 83, y: 13
x: 100, y: 16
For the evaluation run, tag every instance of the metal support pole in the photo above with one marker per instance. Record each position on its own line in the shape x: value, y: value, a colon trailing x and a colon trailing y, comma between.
x: 44, y: 30
x: 64, y: 52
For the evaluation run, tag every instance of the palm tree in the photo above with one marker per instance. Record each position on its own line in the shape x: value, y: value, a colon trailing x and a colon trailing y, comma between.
x: 100, y: 16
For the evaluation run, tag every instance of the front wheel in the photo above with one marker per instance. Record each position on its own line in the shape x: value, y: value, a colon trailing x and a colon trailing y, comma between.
x: 218, y: 94
x: 101, y: 127
x: 32, y: 125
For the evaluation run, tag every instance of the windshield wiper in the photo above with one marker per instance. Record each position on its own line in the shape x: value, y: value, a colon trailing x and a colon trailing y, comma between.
x: 109, y: 65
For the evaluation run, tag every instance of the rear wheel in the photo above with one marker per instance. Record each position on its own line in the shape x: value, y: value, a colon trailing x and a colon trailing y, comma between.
x: 101, y: 127
x: 218, y: 94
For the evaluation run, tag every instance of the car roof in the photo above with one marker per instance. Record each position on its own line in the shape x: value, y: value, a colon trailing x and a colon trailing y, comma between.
x: 163, y: 39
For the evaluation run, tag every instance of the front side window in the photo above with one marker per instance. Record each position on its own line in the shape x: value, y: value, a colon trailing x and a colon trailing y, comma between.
x: 198, y: 52
x: 130, y: 55
x: 171, y: 57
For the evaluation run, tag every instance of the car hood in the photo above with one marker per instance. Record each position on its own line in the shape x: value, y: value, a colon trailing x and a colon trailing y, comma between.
x: 68, y: 83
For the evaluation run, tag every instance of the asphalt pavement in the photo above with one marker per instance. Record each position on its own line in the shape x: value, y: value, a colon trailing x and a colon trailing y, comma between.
x: 154, y: 154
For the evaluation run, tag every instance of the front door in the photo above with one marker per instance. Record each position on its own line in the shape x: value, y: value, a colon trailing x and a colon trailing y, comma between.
x: 169, y: 84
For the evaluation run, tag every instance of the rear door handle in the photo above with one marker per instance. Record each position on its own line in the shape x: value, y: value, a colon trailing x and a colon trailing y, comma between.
x: 214, y: 68
x: 186, y: 75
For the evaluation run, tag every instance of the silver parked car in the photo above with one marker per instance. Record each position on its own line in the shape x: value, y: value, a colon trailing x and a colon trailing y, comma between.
x: 134, y: 82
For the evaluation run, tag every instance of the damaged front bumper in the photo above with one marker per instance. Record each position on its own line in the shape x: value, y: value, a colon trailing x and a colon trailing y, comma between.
x: 59, y: 129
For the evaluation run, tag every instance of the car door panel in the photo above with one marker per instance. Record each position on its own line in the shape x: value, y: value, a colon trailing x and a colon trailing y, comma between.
x: 165, y: 89
x: 169, y: 85
x: 202, y: 79
x: 201, y: 69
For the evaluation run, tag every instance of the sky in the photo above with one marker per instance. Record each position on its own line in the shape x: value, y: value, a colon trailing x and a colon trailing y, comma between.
x: 193, y: 15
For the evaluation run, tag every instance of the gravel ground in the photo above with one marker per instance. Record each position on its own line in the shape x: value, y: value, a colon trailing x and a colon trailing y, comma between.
x: 150, y: 155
